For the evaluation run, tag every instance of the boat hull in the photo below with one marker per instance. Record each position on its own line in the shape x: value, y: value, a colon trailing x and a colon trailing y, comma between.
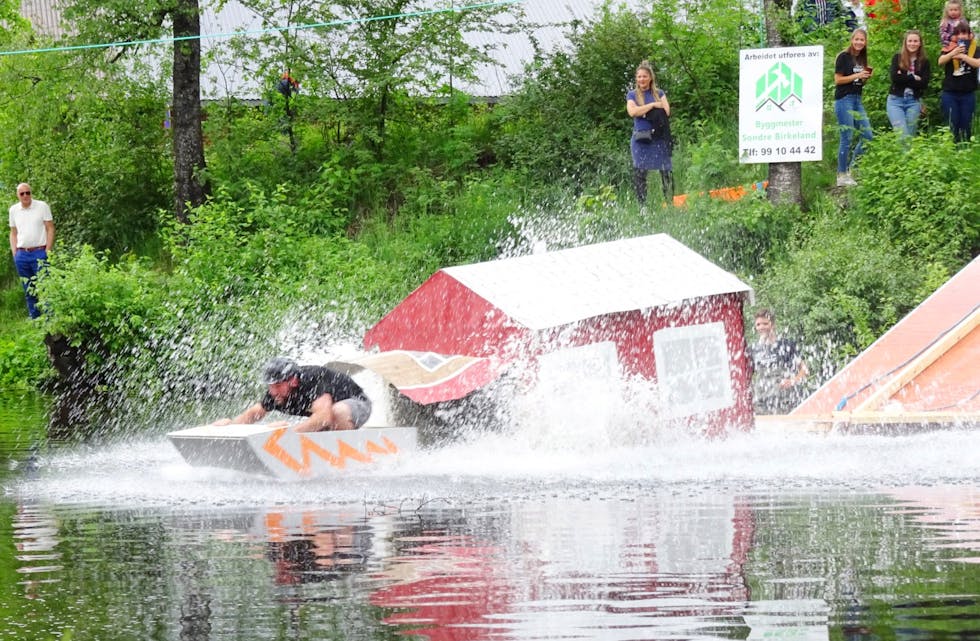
x: 282, y: 453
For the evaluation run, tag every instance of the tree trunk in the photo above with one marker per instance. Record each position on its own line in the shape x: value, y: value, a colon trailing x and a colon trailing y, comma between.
x: 785, y: 178
x: 190, y: 190
x: 76, y: 390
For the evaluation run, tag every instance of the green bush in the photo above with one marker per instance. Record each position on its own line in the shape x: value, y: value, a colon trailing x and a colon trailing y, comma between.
x: 743, y: 236
x: 843, y: 285
x: 475, y: 224
x: 23, y: 360
x: 567, y: 123
x: 94, y: 302
x: 102, y: 162
x: 923, y: 195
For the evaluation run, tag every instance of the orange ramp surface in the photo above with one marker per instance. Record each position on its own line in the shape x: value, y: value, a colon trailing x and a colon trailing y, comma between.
x: 925, y: 369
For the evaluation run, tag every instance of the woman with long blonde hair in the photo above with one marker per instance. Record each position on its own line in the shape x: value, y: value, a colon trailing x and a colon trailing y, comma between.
x: 651, y: 143
x: 851, y: 73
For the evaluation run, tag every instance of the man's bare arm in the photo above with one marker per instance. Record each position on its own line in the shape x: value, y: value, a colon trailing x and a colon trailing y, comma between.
x: 253, y: 414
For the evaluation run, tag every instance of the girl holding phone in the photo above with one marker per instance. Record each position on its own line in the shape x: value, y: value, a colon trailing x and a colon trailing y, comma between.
x: 851, y: 73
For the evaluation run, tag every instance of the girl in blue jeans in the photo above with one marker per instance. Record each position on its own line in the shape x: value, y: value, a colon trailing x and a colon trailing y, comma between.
x: 851, y: 72
x: 910, y: 76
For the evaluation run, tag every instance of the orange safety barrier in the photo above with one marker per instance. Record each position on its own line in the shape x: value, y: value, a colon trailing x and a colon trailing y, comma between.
x: 725, y: 193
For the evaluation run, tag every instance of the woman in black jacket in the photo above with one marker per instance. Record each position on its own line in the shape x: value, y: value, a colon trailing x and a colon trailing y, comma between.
x: 959, y: 98
x: 910, y: 76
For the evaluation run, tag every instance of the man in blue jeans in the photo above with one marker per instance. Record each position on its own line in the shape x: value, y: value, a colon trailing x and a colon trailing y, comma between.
x: 31, y: 237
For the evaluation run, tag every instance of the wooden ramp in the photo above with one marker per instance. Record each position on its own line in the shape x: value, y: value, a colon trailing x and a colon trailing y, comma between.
x: 924, y: 371
x: 880, y: 423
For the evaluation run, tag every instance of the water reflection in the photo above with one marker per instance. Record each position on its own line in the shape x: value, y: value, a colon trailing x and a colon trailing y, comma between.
x: 306, y: 550
x: 645, y: 568
x: 681, y: 540
x: 951, y: 513
x: 652, y: 563
x: 35, y: 536
x: 23, y: 417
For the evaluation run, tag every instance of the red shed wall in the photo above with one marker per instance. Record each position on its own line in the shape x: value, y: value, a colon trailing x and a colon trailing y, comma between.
x: 632, y: 333
x: 445, y: 317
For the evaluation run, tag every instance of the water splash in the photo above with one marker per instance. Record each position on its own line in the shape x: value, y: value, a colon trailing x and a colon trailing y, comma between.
x: 518, y: 462
x: 505, y: 440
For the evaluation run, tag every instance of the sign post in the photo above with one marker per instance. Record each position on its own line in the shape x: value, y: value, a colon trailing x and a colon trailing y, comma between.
x: 780, y: 105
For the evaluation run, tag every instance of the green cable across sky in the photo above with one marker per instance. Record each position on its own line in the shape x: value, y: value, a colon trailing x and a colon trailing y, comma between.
x: 318, y: 25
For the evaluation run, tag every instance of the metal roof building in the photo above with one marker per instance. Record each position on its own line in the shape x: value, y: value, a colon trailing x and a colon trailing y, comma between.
x: 547, y: 23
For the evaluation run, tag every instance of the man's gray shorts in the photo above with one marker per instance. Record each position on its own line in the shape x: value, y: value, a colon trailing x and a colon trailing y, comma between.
x: 360, y: 410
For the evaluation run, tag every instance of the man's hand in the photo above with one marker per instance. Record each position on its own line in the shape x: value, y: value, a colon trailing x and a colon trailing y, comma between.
x: 221, y: 422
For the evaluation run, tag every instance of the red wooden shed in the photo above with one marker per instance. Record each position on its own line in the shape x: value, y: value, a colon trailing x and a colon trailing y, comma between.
x: 645, y: 307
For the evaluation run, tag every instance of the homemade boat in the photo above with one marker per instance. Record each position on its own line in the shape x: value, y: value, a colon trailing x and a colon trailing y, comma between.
x: 282, y: 453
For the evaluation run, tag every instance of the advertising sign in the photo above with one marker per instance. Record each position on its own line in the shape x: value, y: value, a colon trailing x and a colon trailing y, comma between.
x: 780, y: 110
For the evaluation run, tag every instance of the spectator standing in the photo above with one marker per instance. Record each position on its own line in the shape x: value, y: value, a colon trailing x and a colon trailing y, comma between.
x: 958, y: 100
x: 813, y: 14
x: 910, y: 75
x: 651, y: 142
x: 851, y: 72
x: 854, y: 17
x: 31, y: 238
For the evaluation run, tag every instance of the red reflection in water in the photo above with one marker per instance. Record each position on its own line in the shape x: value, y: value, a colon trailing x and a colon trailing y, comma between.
x: 446, y: 583
x: 452, y: 588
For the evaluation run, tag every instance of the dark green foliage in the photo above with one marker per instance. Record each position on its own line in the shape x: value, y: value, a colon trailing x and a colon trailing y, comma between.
x: 696, y: 59
x: 707, y: 158
x: 24, y: 366
x: 106, y: 306
x: 844, y: 284
x: 418, y: 245
x: 923, y: 196
x: 102, y: 167
x: 743, y: 236
x: 568, y: 121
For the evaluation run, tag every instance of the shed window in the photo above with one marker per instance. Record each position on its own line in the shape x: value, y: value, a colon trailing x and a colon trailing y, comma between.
x: 692, y: 369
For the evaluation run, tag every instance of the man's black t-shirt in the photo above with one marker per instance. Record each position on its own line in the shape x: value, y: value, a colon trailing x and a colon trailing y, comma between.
x: 314, y: 382
x: 772, y: 363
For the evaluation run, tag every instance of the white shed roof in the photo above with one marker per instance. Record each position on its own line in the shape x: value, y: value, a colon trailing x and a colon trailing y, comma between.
x: 557, y: 288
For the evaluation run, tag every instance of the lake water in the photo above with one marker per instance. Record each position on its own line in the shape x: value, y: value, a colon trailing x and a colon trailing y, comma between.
x: 603, y: 536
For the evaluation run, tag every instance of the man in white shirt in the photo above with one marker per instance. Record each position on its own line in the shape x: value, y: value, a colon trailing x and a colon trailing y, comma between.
x: 31, y: 237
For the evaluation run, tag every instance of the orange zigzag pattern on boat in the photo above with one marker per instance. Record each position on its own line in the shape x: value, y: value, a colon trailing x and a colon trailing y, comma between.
x: 307, y: 448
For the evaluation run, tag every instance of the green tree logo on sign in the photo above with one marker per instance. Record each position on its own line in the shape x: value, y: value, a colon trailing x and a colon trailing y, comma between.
x: 779, y: 88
